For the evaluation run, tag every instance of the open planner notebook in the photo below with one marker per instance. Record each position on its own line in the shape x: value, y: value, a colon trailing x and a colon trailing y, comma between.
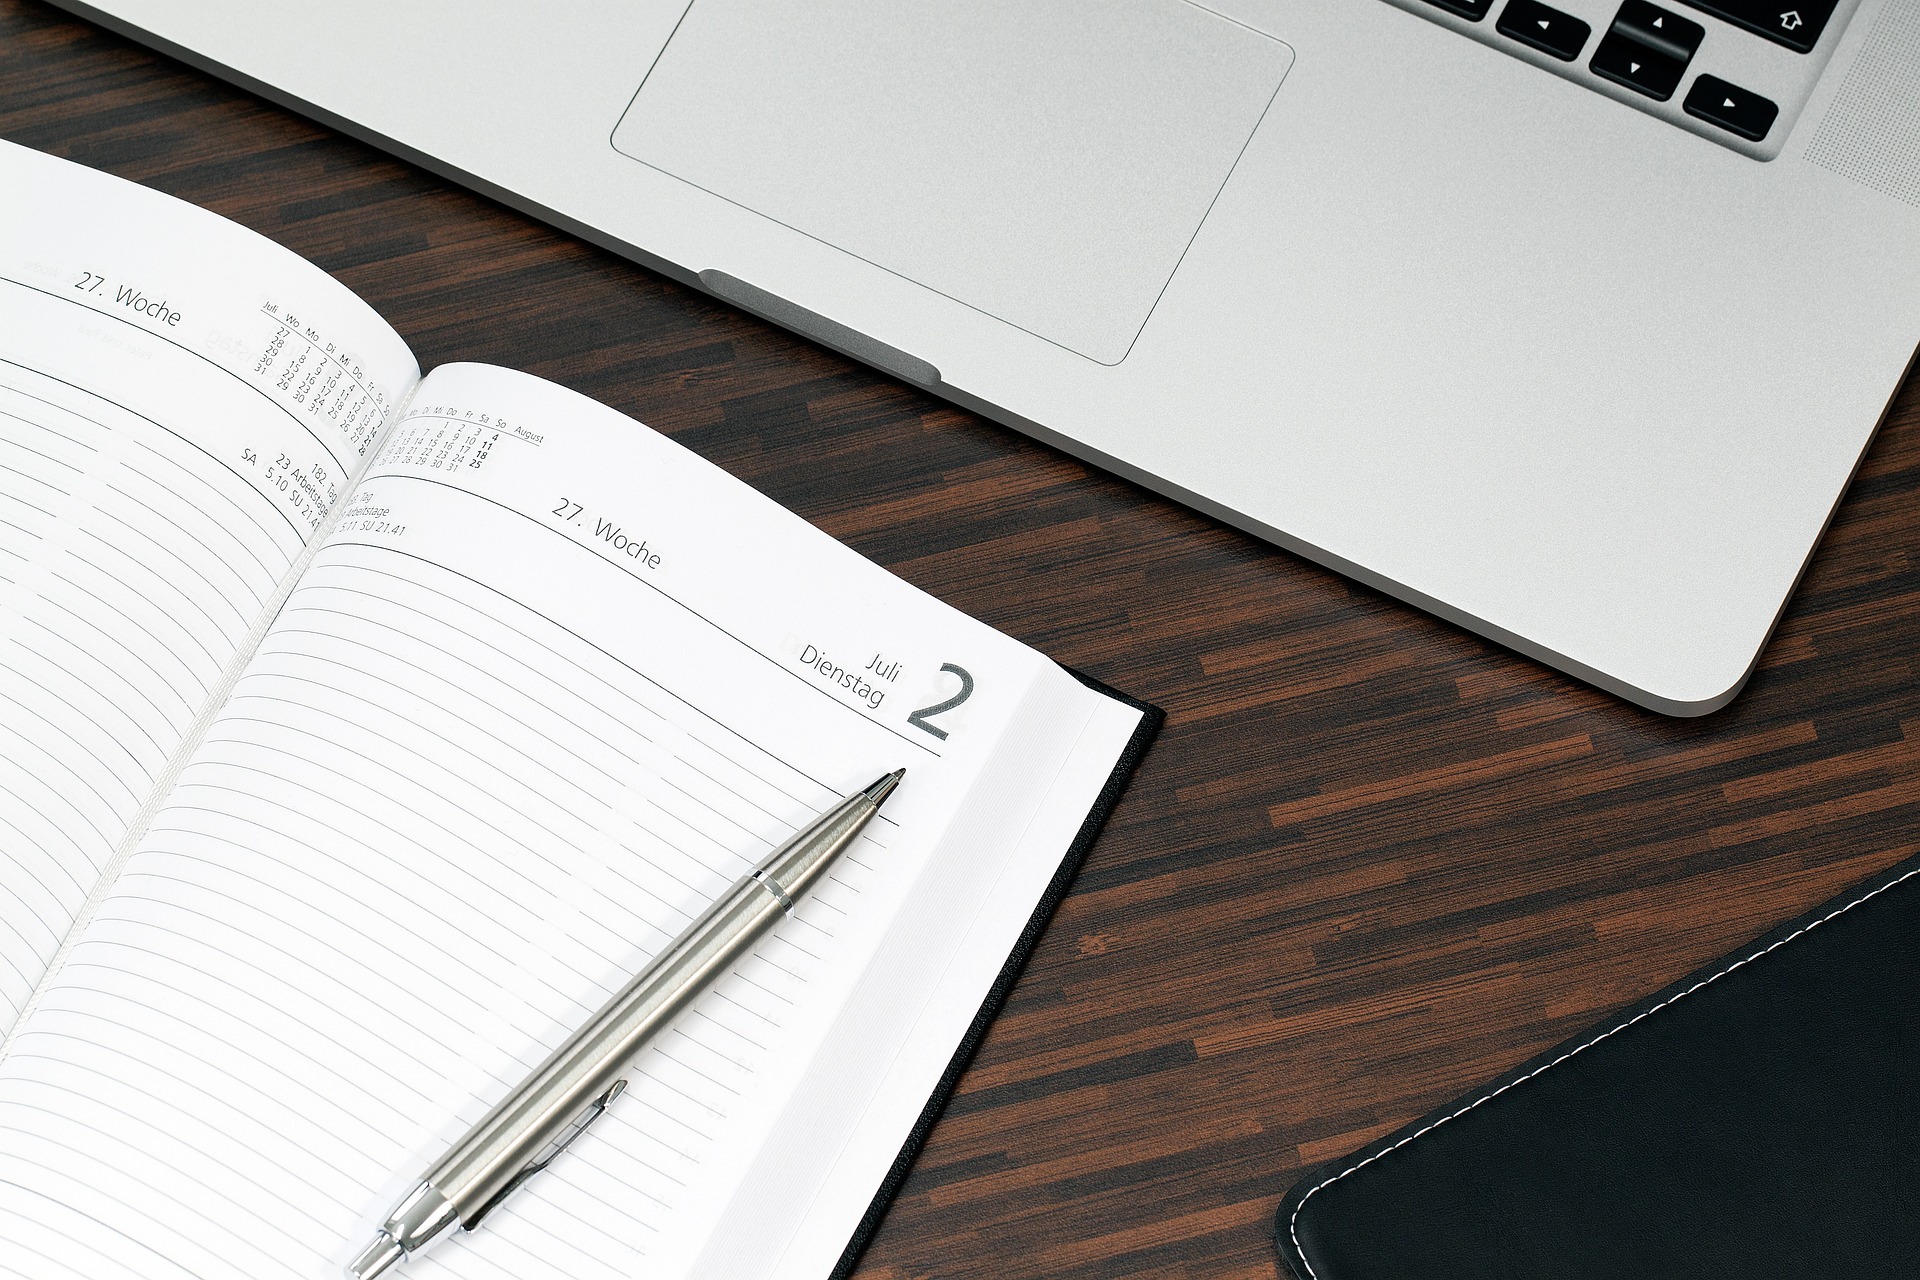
x: 361, y: 732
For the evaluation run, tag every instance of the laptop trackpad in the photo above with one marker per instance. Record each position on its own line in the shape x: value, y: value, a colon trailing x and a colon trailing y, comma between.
x: 1045, y: 162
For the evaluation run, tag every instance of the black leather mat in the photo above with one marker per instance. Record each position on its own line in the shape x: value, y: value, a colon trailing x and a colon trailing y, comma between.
x: 1760, y: 1118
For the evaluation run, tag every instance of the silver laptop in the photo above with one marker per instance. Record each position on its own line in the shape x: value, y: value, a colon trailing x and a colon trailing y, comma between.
x: 1567, y: 322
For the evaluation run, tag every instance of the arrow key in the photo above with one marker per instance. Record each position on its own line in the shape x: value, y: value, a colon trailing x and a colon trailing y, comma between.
x: 1659, y: 29
x: 1731, y: 107
x: 1643, y: 69
x: 1552, y: 32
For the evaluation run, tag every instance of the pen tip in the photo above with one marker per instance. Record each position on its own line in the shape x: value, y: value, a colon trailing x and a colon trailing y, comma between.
x: 883, y: 788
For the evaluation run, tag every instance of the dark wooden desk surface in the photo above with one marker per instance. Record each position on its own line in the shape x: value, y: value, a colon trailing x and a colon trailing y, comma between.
x: 1372, y: 860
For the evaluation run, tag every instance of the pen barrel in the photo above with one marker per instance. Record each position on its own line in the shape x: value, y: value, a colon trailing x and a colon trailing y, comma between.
x: 554, y: 1099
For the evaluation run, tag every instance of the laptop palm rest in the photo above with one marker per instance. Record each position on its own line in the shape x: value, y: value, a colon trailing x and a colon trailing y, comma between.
x: 1045, y: 164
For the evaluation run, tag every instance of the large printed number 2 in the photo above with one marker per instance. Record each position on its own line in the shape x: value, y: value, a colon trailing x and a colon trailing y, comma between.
x: 918, y: 719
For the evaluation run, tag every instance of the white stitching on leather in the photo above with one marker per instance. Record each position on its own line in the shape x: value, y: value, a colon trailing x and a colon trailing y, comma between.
x: 1293, y: 1219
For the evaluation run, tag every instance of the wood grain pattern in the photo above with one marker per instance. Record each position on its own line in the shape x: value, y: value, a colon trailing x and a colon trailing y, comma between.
x: 1372, y: 860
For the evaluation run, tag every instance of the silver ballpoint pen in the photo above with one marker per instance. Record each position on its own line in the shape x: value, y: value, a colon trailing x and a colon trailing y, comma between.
x: 566, y: 1093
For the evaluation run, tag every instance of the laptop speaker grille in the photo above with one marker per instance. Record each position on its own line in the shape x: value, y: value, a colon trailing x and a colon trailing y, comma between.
x: 1871, y: 133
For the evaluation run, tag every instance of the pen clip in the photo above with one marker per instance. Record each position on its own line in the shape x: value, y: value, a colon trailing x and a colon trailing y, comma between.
x: 551, y: 1151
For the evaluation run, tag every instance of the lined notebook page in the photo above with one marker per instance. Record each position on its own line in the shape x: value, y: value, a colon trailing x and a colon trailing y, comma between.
x: 179, y: 399
x: 549, y: 687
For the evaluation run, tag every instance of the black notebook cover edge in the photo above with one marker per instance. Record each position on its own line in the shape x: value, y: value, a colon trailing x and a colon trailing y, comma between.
x: 1322, y: 1176
x: 1151, y: 718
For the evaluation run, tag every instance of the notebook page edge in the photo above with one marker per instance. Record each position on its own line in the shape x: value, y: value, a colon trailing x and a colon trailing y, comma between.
x: 813, y: 1225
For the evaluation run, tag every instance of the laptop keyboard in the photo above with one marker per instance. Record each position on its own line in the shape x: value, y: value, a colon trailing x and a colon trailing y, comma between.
x: 1739, y: 66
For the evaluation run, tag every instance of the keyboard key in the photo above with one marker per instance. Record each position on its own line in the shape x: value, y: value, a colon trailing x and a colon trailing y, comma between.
x: 1792, y: 23
x: 1731, y: 107
x: 1471, y: 10
x: 1644, y: 70
x: 1552, y: 32
x: 1663, y: 32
